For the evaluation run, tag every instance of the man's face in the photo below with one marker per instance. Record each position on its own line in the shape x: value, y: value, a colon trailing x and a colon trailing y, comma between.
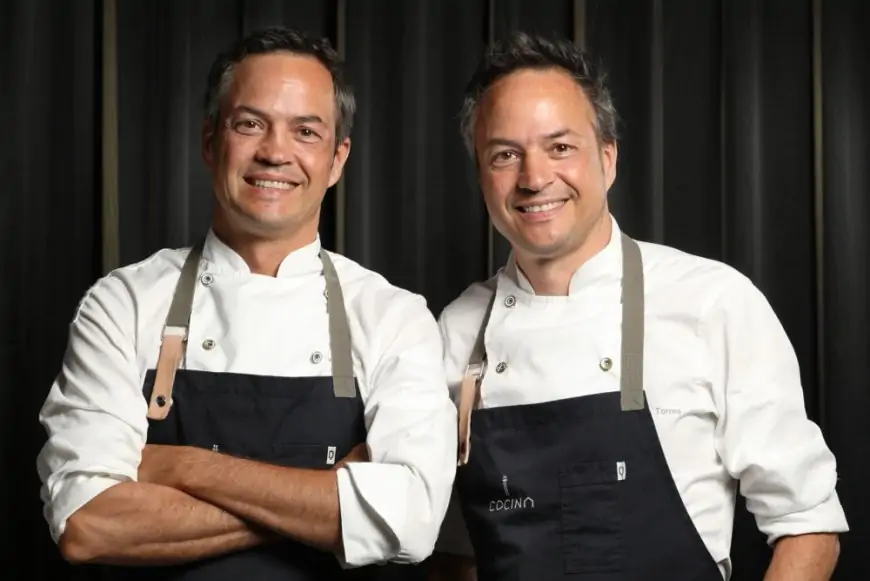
x: 273, y: 153
x: 543, y: 174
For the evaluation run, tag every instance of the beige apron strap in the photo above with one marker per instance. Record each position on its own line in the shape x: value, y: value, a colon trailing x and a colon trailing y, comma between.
x: 339, y: 332
x: 174, y: 336
x: 469, y: 391
x: 631, y: 382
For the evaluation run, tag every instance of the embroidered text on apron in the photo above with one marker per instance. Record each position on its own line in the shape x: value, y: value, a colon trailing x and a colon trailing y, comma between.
x: 304, y: 422
x: 576, y: 488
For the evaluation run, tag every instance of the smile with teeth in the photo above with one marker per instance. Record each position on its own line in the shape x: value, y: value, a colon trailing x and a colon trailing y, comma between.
x: 541, y: 207
x: 270, y: 184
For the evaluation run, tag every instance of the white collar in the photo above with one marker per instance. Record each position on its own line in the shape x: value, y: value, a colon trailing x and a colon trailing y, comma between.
x: 222, y: 258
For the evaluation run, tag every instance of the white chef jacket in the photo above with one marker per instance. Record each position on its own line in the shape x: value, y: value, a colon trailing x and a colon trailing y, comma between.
x: 720, y: 375
x: 95, y: 413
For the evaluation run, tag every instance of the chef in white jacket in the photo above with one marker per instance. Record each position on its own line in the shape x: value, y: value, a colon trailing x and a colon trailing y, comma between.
x: 614, y: 396
x: 253, y: 407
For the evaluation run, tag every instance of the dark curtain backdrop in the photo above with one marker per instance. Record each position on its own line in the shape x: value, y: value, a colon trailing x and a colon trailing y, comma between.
x: 745, y: 138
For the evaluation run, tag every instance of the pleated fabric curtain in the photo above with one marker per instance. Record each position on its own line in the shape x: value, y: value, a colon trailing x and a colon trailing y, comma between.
x: 50, y: 97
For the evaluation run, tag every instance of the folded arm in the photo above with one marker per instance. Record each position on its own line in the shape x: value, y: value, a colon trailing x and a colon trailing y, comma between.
x: 786, y: 471
x: 95, y: 419
x: 135, y: 523
x: 810, y: 557
x: 365, y: 512
x: 393, y: 507
x: 301, y: 504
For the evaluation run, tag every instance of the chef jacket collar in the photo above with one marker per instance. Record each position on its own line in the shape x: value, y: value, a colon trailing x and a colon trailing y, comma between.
x: 225, y: 260
x: 606, y: 266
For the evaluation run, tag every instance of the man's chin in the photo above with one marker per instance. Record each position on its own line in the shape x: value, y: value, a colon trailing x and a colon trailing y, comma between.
x: 265, y: 225
x: 544, y: 249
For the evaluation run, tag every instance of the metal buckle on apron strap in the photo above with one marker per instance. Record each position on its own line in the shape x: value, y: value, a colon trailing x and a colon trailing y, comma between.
x: 174, y: 336
x: 171, y: 353
x: 468, y: 398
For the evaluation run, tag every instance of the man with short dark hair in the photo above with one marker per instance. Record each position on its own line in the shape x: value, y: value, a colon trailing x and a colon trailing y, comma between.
x: 612, y: 394
x: 254, y: 407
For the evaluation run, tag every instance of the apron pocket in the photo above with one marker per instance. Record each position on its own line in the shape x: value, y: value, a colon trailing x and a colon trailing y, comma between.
x: 591, y: 522
x: 305, y: 455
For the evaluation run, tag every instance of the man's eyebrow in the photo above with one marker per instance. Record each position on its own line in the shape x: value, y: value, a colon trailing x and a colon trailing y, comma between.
x: 495, y: 141
x: 251, y: 110
x: 309, y: 119
x: 298, y: 119
x: 502, y: 141
x: 559, y: 133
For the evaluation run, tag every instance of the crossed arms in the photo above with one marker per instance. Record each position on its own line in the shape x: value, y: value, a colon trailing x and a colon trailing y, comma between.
x: 111, y: 499
x: 191, y: 504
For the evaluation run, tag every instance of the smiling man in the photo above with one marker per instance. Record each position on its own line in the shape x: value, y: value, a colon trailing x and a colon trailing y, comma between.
x: 613, y: 395
x: 253, y: 407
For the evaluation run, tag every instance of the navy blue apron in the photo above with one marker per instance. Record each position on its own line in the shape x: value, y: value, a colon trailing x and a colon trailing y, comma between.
x: 577, y: 488
x: 304, y: 422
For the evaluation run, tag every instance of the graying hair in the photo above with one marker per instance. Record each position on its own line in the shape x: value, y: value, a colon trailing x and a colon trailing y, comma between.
x: 524, y: 51
x: 279, y: 39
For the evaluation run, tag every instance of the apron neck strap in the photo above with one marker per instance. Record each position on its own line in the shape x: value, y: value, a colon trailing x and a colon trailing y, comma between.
x: 631, y: 371
x: 631, y: 374
x: 343, y: 381
x: 175, y: 334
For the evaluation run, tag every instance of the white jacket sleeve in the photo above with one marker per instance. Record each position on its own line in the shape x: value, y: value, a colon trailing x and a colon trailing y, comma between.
x: 393, y: 506
x: 95, y: 413
x: 786, y: 471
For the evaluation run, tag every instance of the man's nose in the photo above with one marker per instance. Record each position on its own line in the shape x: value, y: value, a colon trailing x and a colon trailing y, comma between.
x: 274, y: 148
x: 535, y: 173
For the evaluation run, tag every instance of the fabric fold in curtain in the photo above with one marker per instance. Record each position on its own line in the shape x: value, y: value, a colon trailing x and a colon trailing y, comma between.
x: 413, y: 209
x: 845, y: 78
x: 165, y: 189
x: 49, y: 222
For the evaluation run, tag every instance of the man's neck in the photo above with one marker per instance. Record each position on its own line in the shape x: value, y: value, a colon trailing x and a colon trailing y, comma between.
x: 263, y: 254
x: 552, y: 276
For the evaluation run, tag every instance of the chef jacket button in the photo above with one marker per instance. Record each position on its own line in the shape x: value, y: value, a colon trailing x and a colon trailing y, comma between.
x: 500, y: 367
x: 605, y: 364
x: 316, y: 357
x: 510, y: 301
x: 206, y: 279
x: 208, y: 344
x: 161, y: 400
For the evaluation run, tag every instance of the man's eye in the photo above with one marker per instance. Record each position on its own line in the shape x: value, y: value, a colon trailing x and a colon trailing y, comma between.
x: 247, y: 126
x: 503, y: 156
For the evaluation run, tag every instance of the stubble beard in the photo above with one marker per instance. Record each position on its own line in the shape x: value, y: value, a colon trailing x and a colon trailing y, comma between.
x: 569, y: 244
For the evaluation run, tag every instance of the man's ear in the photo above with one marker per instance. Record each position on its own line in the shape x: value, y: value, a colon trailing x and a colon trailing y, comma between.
x: 208, y: 141
x: 609, y: 153
x: 339, y: 160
